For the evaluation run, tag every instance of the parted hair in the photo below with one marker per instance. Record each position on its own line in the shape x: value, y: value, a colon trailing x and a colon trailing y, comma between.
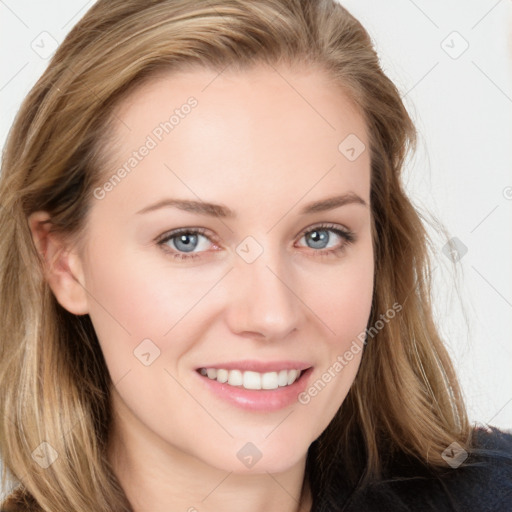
x: 54, y: 383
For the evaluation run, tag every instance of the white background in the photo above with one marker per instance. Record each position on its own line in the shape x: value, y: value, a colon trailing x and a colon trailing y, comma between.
x: 461, y: 173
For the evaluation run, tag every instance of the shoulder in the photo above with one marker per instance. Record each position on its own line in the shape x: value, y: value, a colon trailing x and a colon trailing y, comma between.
x: 479, y: 481
x: 483, y: 481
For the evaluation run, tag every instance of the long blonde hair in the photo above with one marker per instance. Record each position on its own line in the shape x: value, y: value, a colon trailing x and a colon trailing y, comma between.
x: 54, y: 383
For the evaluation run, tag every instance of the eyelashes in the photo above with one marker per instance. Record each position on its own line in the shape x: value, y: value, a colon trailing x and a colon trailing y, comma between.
x: 347, y: 238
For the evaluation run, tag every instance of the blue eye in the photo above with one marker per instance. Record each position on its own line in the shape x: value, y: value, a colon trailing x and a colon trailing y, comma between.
x: 186, y: 241
x: 183, y: 239
x: 320, y: 236
x: 180, y: 243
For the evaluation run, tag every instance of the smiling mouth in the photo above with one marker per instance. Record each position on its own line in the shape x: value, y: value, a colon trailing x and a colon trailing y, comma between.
x: 252, y: 380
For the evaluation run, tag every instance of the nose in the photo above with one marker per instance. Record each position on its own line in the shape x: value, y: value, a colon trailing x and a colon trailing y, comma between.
x: 264, y: 302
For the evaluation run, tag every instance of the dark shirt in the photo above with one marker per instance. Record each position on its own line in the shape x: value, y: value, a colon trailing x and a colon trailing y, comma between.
x: 482, y: 483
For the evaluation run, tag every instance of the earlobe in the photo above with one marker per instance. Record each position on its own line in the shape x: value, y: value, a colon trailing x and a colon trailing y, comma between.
x: 62, y: 267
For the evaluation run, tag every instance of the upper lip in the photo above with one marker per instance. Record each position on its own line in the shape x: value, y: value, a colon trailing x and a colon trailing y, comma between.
x: 259, y: 366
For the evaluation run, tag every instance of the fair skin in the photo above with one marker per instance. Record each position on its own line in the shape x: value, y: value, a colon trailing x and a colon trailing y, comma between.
x: 264, y: 149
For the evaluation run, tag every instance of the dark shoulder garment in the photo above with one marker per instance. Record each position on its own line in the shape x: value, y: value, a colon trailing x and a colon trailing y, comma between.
x: 480, y: 483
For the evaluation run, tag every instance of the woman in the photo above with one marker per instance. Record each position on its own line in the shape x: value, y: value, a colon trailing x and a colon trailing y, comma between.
x: 215, y: 293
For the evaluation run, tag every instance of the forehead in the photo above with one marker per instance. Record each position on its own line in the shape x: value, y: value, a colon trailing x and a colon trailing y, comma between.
x: 263, y: 129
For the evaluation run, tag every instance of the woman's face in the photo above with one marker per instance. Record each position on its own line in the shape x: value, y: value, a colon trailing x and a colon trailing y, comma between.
x: 270, y: 285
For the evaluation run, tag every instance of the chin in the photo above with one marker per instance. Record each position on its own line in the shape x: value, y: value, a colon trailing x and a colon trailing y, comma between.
x: 247, y: 458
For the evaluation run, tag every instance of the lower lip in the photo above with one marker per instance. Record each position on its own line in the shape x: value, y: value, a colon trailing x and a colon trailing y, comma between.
x: 264, y: 400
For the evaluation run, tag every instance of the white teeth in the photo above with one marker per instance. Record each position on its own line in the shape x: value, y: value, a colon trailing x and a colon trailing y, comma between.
x: 222, y: 375
x: 269, y: 380
x: 235, y: 378
x: 252, y: 380
x: 292, y: 375
x: 282, y: 378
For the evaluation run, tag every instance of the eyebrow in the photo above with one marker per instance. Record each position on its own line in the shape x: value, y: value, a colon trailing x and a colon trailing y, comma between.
x: 219, y: 210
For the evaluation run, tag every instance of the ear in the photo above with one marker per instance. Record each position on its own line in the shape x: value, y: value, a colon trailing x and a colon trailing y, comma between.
x: 62, y: 266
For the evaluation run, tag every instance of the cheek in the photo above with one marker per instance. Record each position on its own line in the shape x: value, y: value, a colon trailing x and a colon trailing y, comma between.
x: 144, y: 289
x: 123, y: 304
x: 346, y: 305
x: 131, y: 302
x: 343, y: 303
x: 139, y: 298
x: 342, y: 296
